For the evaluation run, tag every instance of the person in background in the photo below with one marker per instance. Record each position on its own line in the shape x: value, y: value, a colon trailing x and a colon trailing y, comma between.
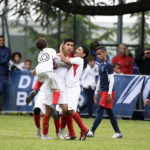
x: 117, y: 68
x: 143, y: 62
x: 15, y: 63
x: 88, y: 81
x: 135, y: 67
x: 147, y: 102
x: 124, y: 60
x: 5, y: 54
x: 27, y: 65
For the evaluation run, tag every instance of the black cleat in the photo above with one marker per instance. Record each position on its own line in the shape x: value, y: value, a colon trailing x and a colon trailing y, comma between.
x: 84, y: 134
x: 31, y: 96
x: 55, y: 113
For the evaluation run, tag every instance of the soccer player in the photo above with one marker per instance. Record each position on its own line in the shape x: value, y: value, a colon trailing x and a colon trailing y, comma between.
x: 72, y: 92
x: 39, y: 105
x: 105, y: 83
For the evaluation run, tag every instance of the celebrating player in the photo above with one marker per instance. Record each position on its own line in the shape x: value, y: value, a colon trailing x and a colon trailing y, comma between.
x: 105, y: 83
x: 72, y: 92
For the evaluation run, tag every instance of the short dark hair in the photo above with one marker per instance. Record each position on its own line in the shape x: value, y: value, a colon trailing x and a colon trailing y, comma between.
x: 16, y: 53
x: 102, y: 48
x: 41, y: 43
x: 116, y: 64
x: 28, y: 60
x: 68, y: 40
x: 146, y: 49
x: 1, y: 36
x: 85, y: 50
x: 91, y: 58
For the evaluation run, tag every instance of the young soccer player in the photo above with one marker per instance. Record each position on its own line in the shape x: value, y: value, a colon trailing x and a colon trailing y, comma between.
x: 39, y: 105
x: 105, y: 83
x: 117, y: 68
x: 72, y: 92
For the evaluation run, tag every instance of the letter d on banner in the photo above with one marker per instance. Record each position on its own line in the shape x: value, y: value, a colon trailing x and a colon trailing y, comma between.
x: 24, y: 82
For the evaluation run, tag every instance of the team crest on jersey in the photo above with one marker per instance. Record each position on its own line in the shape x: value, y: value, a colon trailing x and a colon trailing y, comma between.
x: 44, y: 57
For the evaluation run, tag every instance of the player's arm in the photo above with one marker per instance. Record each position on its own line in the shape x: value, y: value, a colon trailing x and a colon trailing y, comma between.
x: 97, y: 90
x: 62, y: 56
x: 59, y: 62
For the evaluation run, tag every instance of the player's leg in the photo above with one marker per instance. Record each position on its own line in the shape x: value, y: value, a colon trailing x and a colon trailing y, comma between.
x: 97, y: 121
x: 78, y: 120
x: 57, y: 127
x: 36, y: 116
x: 34, y: 92
x: 114, y: 124
x: 46, y: 123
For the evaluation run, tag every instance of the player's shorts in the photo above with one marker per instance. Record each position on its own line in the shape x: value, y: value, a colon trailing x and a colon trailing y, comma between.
x: 51, y: 78
x: 103, y: 101
x: 72, y: 97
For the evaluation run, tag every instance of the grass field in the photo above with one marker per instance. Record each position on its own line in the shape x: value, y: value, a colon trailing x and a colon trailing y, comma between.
x: 18, y: 133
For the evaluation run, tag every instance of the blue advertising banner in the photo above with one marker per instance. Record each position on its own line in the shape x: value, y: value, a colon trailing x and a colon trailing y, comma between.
x: 127, y: 90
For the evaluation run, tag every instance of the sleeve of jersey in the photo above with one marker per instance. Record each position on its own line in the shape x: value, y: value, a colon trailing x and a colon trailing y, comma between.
x: 75, y: 60
x: 59, y: 62
x: 110, y: 77
x: 97, y: 86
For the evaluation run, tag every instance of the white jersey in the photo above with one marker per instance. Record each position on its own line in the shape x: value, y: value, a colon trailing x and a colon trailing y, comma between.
x: 19, y: 66
x: 61, y: 71
x: 75, y: 71
x: 45, y: 60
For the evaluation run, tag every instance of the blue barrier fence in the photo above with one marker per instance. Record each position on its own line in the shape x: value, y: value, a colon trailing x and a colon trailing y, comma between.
x: 128, y: 88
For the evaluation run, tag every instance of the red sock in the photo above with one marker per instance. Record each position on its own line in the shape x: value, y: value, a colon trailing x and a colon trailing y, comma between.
x: 63, y: 121
x: 56, y: 96
x: 70, y: 126
x: 37, y: 120
x: 37, y: 86
x: 45, y: 124
x: 57, y: 125
x: 78, y: 120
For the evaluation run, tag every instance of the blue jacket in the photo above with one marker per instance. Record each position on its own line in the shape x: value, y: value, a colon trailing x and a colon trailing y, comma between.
x: 5, y: 55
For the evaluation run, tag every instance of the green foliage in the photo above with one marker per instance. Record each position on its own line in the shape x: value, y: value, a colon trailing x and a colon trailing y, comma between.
x: 18, y: 133
x: 135, y: 30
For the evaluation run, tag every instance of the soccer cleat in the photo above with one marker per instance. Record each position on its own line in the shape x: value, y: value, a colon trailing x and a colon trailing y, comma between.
x: 46, y: 137
x: 73, y: 138
x: 31, y: 96
x: 55, y: 113
x: 83, y: 134
x: 59, y: 136
x: 64, y: 134
x: 38, y: 132
x: 90, y: 134
x: 117, y: 135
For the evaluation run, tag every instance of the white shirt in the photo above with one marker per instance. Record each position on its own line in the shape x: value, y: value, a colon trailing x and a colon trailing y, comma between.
x: 20, y: 66
x: 88, y: 77
x: 45, y: 60
x: 75, y: 71
x: 61, y: 71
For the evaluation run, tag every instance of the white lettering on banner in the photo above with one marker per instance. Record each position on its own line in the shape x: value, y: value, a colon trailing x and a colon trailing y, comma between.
x: 146, y: 89
x: 131, y: 91
x: 24, y: 82
x: 34, y: 81
x: 21, y: 98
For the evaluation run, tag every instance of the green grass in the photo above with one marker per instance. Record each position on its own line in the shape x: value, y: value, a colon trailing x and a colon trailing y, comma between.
x: 18, y: 133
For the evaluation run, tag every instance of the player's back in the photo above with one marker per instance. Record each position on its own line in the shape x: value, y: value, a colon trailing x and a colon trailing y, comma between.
x: 45, y: 60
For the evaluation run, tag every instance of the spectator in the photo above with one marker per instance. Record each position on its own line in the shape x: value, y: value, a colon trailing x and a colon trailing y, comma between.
x: 93, y: 47
x: 5, y: 55
x: 27, y: 65
x: 143, y: 62
x: 135, y: 67
x: 117, y: 68
x: 88, y: 82
x: 15, y: 63
x: 147, y: 102
x: 124, y: 60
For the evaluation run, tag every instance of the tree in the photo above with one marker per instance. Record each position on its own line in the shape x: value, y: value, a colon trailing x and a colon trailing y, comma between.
x: 46, y: 8
x: 135, y: 30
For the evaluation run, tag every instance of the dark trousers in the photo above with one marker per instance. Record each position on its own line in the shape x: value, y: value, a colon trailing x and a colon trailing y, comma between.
x: 89, y: 96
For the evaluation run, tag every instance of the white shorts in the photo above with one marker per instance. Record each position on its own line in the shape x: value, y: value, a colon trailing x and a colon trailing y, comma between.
x: 72, y: 97
x: 51, y: 78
